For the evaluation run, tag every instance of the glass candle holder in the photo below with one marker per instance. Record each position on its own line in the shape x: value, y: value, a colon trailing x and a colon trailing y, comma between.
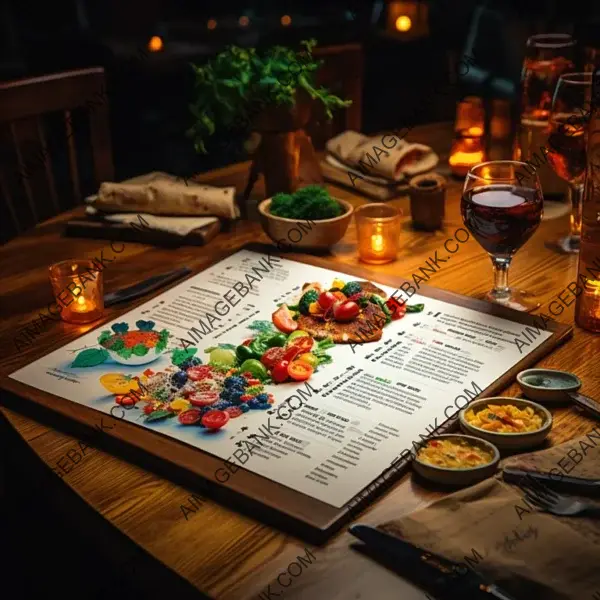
x: 468, y: 147
x: 78, y: 290
x: 378, y: 230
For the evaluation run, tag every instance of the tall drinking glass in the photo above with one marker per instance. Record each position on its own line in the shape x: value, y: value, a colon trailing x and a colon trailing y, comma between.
x: 547, y: 57
x: 502, y: 215
x: 567, y: 143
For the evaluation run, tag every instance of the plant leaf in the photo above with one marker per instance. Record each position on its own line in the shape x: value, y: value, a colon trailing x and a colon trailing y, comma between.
x: 158, y: 415
x: 90, y: 357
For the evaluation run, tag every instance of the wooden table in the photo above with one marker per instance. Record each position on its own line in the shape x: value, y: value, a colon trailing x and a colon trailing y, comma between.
x: 218, y: 551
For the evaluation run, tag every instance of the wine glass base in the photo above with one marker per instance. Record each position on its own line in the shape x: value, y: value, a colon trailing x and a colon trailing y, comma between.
x: 566, y: 245
x: 515, y: 299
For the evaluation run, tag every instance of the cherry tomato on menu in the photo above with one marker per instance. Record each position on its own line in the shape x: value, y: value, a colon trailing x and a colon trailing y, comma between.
x: 272, y: 356
x: 326, y: 299
x: 292, y: 351
x: 190, y: 417
x: 398, y: 309
x: 299, y: 370
x: 282, y: 319
x: 203, y: 398
x: 304, y: 343
x: 215, y: 419
x: 345, y: 311
x: 124, y: 400
x: 280, y: 371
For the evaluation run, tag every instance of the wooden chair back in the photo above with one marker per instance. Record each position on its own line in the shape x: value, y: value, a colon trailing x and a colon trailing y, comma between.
x: 72, y: 107
x: 342, y: 74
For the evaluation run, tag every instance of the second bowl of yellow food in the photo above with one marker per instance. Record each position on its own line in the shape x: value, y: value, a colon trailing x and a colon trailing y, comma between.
x: 509, y: 423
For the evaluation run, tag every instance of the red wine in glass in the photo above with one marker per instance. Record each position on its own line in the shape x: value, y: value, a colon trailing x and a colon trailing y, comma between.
x: 502, y: 217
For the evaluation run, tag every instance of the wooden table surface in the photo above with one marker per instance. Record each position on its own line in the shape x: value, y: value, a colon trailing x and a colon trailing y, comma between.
x: 218, y: 551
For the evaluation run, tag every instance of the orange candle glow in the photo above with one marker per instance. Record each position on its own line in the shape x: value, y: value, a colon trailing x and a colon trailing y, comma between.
x: 78, y: 290
x: 378, y: 230
x: 466, y: 153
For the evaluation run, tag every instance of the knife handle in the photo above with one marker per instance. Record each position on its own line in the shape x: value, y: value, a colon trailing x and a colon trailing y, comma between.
x: 585, y: 402
x: 572, y: 485
x: 148, y: 285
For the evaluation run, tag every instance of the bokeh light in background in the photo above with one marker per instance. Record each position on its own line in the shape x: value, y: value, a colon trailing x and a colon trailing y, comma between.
x: 403, y: 23
x: 244, y: 21
x: 211, y: 24
x: 155, y: 44
x: 286, y: 20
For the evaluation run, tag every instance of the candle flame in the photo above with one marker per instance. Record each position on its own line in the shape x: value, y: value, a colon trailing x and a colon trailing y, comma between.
x: 377, y: 242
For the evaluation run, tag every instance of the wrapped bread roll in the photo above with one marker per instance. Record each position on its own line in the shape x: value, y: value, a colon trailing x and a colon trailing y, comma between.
x: 384, y: 155
x: 168, y: 197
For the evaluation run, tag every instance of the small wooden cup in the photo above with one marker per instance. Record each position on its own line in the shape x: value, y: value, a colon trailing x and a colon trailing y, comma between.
x: 427, y: 199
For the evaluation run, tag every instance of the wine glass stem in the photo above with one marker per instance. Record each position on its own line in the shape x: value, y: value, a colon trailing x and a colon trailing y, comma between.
x: 576, y: 192
x: 500, y: 265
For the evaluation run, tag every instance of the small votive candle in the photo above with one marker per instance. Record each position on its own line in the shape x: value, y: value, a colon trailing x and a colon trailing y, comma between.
x: 587, y: 309
x: 378, y: 230
x: 468, y: 147
x: 78, y: 290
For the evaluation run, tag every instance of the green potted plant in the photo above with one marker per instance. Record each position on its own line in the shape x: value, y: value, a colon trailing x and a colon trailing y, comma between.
x: 268, y: 93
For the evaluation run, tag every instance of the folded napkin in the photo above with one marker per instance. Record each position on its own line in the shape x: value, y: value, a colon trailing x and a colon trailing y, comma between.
x: 162, y: 194
x: 384, y: 156
x: 528, y: 553
x: 176, y: 225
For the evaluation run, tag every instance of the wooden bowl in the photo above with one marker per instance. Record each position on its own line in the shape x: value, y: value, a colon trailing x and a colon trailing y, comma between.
x: 293, y: 233
x: 508, y: 441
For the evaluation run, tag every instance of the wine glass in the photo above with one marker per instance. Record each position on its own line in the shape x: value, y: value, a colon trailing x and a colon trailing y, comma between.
x: 502, y: 214
x: 566, y: 148
x: 547, y: 57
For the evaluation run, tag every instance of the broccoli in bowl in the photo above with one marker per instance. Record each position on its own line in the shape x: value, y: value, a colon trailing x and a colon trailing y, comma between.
x: 312, y: 202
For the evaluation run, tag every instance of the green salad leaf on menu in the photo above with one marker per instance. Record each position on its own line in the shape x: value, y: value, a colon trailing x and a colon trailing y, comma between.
x: 90, y: 357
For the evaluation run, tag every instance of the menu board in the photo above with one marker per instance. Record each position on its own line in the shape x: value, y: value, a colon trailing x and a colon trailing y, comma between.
x: 327, y: 437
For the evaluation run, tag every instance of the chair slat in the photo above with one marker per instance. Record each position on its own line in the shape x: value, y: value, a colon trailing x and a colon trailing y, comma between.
x: 48, y: 167
x: 22, y: 172
x: 72, y: 155
x: 8, y: 200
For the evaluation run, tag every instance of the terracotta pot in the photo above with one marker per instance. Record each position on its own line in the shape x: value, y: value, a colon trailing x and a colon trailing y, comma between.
x: 285, y: 154
x: 294, y: 233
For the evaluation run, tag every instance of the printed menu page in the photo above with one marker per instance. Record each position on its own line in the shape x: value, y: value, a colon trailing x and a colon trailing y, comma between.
x: 327, y: 426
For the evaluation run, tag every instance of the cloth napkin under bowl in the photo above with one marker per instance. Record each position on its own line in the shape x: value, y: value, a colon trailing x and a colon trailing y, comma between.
x: 380, y: 165
x: 530, y: 554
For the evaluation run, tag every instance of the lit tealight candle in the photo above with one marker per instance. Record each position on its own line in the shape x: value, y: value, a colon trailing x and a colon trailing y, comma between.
x: 78, y: 290
x: 378, y: 229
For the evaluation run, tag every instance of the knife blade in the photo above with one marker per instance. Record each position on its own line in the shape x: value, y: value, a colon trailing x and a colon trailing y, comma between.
x: 443, y: 575
x: 143, y: 287
x: 570, y: 485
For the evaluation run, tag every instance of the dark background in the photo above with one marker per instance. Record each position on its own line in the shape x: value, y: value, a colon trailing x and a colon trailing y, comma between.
x: 148, y: 97
x: 44, y: 554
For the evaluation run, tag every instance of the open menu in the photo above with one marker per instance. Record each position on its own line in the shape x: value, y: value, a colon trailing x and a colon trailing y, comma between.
x: 328, y: 431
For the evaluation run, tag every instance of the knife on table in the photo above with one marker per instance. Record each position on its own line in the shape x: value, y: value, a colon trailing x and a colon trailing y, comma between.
x: 446, y: 577
x: 143, y: 287
x: 569, y: 485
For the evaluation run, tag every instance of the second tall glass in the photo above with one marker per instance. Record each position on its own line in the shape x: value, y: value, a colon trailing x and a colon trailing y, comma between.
x: 567, y: 144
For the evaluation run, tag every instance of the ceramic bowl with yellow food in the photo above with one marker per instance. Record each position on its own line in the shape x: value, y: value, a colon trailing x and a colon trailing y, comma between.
x: 508, y: 423
x: 456, y: 459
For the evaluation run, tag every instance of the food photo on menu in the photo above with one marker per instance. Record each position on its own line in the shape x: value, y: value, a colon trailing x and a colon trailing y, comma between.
x: 300, y: 329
